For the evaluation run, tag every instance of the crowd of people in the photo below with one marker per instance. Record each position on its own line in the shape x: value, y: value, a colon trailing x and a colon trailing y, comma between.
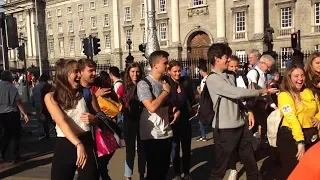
x: 156, y: 110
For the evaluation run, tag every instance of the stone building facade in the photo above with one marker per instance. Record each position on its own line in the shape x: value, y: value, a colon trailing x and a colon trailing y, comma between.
x: 25, y: 13
x: 185, y: 28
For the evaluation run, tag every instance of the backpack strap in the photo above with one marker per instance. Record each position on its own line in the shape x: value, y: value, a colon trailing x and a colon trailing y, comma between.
x: 258, y: 75
x: 245, y: 80
x: 216, y: 110
x: 150, y: 87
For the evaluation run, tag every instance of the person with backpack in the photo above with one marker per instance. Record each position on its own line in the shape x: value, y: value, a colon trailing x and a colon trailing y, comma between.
x: 204, y: 73
x: 231, y: 132
x: 182, y: 98
x: 155, y: 129
x: 258, y: 78
x: 131, y: 121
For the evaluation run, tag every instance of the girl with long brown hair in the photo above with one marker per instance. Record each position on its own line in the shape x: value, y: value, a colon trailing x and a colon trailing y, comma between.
x: 300, y: 110
x: 132, y: 76
x: 74, y: 144
x: 312, y: 68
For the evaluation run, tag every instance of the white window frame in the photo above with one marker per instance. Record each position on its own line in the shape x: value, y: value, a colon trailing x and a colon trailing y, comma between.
x: 81, y: 25
x: 105, y: 2
x: 51, y: 46
x: 59, y: 14
x: 240, y: 20
x: 108, y: 41
x: 163, y: 31
x: 49, y: 27
x: 162, y: 6
x: 81, y: 45
x: 285, y: 51
x: 289, y: 16
x: 20, y: 17
x: 127, y: 16
x: 94, y: 5
x: 70, y: 26
x: 317, y: 47
x: 106, y: 20
x: 317, y: 17
x: 60, y: 27
x: 49, y: 15
x: 196, y: 3
x: 80, y: 7
x: 91, y: 22
x: 72, y: 48
x: 69, y: 10
x: 143, y: 12
x: 61, y: 46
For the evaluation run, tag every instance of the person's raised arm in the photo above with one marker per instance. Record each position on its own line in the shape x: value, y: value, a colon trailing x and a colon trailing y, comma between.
x: 146, y: 97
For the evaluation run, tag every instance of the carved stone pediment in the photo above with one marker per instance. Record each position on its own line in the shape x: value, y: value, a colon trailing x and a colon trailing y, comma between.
x: 195, y: 11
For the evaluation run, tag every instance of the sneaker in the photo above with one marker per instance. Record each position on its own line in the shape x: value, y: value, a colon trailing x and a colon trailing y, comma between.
x: 200, y: 139
x: 178, y: 177
x: 204, y: 139
x: 187, y: 177
x: 233, y: 175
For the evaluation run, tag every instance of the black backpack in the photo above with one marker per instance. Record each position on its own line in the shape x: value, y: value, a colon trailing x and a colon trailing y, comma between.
x: 206, y: 112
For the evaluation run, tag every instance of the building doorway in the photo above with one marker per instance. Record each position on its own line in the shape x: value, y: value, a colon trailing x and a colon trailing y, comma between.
x: 198, y: 45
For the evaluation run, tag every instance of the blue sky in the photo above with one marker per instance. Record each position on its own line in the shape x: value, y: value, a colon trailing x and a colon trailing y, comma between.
x: 1, y: 2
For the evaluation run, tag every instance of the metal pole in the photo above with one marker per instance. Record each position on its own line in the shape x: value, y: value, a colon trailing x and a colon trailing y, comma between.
x: 38, y: 37
x: 2, y: 49
x: 152, y: 40
x: 92, y: 48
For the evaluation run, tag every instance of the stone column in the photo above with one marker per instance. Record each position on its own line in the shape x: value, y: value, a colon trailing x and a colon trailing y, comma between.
x: 117, y: 51
x: 33, y: 36
x: 175, y: 22
x: 221, y: 21
x: 28, y: 24
x: 258, y: 19
x: 145, y: 22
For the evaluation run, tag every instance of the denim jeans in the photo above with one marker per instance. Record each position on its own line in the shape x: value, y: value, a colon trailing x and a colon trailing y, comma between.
x: 131, y: 135
x: 203, y: 132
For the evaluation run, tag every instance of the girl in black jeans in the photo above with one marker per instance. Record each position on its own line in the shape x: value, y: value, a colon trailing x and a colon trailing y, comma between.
x: 182, y: 98
x: 131, y: 122
x: 74, y: 146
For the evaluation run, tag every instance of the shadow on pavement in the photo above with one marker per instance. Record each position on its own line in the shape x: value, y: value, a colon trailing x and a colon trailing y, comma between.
x: 25, y: 166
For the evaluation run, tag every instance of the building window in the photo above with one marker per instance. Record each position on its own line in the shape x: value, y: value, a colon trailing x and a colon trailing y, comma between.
x: 69, y: 10
x: 51, y: 47
x: 81, y: 46
x: 317, y: 47
x: 49, y: 14
x: 108, y: 42
x: 71, y: 45
x: 106, y: 20
x: 93, y: 22
x: 197, y: 2
x: 50, y: 29
x: 70, y: 25
x: 105, y: 3
x: 317, y: 14
x: 162, y: 6
x: 60, y: 29
x: 61, y: 46
x: 240, y: 21
x: 80, y: 7
x: 92, y: 5
x: 285, y: 55
x: 144, y: 37
x: 163, y: 31
x: 59, y: 12
x: 81, y: 24
x: 142, y: 11
x: 20, y: 17
x: 286, y: 17
x: 127, y: 14
x: 128, y: 36
x: 241, y: 54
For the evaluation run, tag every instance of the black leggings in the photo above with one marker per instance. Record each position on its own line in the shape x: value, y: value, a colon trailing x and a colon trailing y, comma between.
x: 65, y: 157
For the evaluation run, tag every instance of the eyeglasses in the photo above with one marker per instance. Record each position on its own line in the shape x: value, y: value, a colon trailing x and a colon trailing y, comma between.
x: 269, y: 67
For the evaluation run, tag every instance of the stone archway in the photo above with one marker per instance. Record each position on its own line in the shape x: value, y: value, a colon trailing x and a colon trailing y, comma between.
x: 198, y: 45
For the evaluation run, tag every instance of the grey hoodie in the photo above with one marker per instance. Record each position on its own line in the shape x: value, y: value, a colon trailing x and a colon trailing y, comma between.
x: 223, y: 84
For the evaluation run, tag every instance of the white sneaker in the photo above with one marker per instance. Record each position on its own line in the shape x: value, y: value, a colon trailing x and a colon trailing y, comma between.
x: 233, y: 175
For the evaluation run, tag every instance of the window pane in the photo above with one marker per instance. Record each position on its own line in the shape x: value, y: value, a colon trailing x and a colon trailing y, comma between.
x: 162, y: 5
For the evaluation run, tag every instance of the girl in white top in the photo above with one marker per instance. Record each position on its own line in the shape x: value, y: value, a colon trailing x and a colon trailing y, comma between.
x: 74, y: 146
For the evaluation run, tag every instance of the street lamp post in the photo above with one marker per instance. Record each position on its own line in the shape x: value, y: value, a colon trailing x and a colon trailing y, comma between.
x: 38, y: 37
x: 129, y: 58
x: 152, y: 40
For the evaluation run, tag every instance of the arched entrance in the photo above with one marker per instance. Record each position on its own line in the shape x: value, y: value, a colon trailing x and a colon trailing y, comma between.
x: 198, y: 45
